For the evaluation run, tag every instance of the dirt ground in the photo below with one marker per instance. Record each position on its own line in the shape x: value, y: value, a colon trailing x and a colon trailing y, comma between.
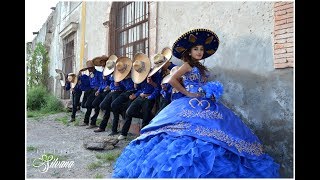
x: 48, y: 135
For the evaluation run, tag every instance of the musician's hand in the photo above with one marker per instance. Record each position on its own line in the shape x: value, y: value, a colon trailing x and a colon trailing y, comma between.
x: 132, y: 96
x: 143, y: 95
x: 97, y: 93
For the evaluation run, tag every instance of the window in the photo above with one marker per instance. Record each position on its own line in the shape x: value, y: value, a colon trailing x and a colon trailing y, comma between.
x: 131, y: 35
x: 68, y: 59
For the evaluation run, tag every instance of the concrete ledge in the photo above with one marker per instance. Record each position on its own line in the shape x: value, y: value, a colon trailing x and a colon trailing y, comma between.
x: 135, y: 126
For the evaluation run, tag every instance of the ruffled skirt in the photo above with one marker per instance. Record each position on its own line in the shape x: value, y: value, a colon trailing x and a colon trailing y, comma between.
x: 167, y: 156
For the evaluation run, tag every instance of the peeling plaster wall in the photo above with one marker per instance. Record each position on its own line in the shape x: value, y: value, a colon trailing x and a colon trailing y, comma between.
x: 96, y: 33
x: 65, y: 13
x: 259, y: 94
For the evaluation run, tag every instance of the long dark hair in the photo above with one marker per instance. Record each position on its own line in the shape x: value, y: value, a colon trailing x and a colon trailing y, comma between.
x: 187, y: 58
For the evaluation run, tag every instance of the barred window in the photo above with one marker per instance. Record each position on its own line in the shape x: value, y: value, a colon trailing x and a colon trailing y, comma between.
x: 131, y: 28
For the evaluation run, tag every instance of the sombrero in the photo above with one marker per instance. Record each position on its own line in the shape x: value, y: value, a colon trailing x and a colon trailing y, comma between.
x: 110, y: 64
x: 204, y: 37
x: 122, y: 69
x: 89, y: 64
x: 61, y: 77
x: 140, y: 68
x: 100, y: 60
x: 167, y: 77
x: 72, y: 78
x: 160, y: 60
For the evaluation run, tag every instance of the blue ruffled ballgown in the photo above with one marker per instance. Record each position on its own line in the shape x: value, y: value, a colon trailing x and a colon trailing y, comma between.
x: 195, y: 138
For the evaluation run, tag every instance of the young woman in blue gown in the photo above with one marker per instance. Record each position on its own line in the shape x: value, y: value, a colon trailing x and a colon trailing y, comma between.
x: 195, y: 136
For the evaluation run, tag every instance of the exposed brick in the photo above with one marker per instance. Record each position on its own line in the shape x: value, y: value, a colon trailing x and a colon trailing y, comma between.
x: 290, y: 3
x: 289, y: 10
x: 289, y: 40
x: 284, y: 26
x: 285, y: 55
x: 288, y: 44
x: 290, y: 59
x: 278, y: 13
x: 279, y: 51
x: 282, y: 65
x: 280, y: 31
x: 286, y: 6
x: 289, y: 49
x: 277, y: 46
x: 278, y: 23
x: 277, y: 4
x: 290, y: 64
x: 289, y: 30
x: 281, y: 60
x: 282, y: 36
x: 285, y: 16
x: 279, y: 41
x: 289, y: 20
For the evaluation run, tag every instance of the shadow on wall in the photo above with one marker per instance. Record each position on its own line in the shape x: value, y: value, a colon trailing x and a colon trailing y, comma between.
x: 265, y: 104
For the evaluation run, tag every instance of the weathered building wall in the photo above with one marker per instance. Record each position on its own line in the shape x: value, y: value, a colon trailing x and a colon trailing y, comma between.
x: 69, y: 13
x: 95, y: 33
x: 55, y: 54
x: 40, y: 36
x: 261, y: 95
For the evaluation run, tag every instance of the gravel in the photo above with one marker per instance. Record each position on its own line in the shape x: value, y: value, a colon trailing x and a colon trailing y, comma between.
x: 47, y: 135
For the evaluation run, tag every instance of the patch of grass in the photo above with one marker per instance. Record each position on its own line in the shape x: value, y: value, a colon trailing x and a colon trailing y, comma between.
x: 64, y: 120
x: 98, y: 176
x: 40, y: 102
x: 34, y: 114
x: 109, y: 126
x: 98, y: 121
x: 76, y: 122
x: 38, y: 114
x: 53, y: 105
x: 94, y: 165
x: 108, y: 156
x: 31, y: 148
x: 36, y: 97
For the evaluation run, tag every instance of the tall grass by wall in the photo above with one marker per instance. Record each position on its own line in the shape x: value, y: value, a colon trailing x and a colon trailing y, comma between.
x: 39, y: 99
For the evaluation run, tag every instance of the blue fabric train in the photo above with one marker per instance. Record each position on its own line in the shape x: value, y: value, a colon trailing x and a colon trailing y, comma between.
x: 196, y: 138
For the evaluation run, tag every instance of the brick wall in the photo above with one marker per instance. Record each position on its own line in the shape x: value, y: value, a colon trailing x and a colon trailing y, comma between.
x: 283, y: 35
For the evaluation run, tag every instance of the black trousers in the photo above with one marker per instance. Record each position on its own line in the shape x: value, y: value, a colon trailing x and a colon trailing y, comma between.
x: 85, y: 98
x: 133, y: 110
x: 118, y: 106
x: 88, y: 103
x: 162, y: 103
x: 106, y: 105
x: 75, y: 102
